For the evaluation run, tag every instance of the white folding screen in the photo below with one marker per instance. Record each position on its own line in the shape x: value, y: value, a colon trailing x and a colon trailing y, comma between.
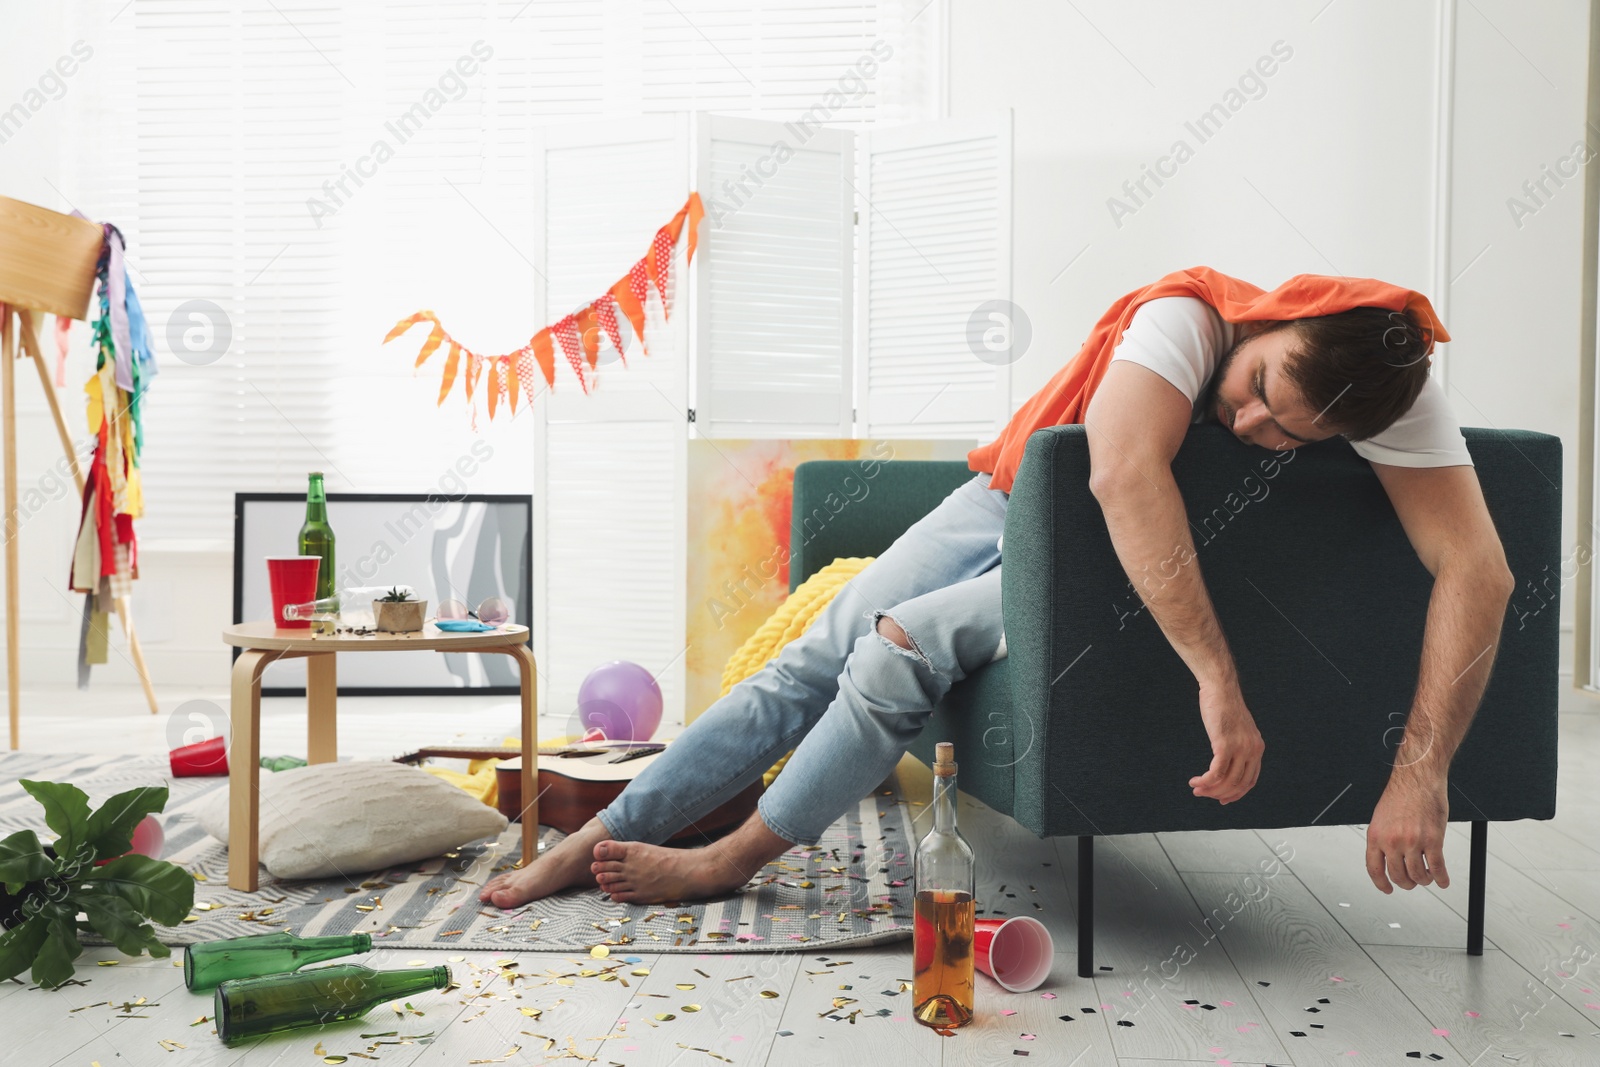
x: 823, y: 283
x: 935, y: 250
x: 772, y: 319
x: 609, y: 467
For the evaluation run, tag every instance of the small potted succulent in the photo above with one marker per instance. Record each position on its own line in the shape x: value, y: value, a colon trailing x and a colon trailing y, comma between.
x: 398, y: 612
x: 90, y: 871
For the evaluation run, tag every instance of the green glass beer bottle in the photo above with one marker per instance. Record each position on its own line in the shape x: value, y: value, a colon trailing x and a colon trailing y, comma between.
x: 246, y: 1008
x: 212, y: 962
x: 316, y: 539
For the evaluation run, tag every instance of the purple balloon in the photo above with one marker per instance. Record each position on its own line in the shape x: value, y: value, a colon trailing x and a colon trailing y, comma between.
x: 622, y: 699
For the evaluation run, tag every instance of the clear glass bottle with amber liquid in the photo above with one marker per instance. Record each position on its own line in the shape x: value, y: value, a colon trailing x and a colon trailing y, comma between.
x: 942, y: 979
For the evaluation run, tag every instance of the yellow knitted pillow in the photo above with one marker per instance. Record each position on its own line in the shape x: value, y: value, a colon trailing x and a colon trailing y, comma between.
x: 793, y: 616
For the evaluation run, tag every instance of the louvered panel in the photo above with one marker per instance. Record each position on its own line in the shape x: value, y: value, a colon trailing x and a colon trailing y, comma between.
x: 613, y: 561
x: 775, y: 276
x: 607, y: 188
x: 936, y: 246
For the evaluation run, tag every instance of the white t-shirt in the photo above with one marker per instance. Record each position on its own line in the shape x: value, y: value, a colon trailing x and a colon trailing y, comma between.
x: 1182, y: 338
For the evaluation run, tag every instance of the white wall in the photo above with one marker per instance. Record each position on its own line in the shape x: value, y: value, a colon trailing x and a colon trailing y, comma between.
x: 1330, y: 171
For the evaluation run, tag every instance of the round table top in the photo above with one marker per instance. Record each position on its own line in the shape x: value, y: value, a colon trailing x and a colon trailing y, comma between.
x: 265, y: 635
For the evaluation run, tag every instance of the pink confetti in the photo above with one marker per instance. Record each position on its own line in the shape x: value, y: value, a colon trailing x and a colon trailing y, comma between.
x: 1352, y: 1052
x: 1105, y: 1007
x: 630, y: 1048
x: 1215, y: 1048
x: 1224, y: 1063
x: 1008, y: 1011
x: 1127, y: 992
x: 1472, y: 1015
x: 1596, y: 1007
x: 1027, y: 1037
x: 1226, y: 1003
x: 1336, y: 978
x: 1565, y: 926
x: 1189, y: 1007
x: 736, y: 1037
x: 1052, y: 996
x: 1440, y: 1033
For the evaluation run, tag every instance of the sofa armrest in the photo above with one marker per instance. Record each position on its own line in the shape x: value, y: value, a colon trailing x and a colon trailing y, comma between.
x: 858, y: 507
x: 1323, y: 602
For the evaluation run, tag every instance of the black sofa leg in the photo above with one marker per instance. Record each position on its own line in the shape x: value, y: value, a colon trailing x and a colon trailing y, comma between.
x: 1479, y: 866
x: 1086, y: 906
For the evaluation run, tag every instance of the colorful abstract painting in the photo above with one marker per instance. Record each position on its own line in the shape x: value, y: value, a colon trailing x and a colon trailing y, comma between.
x: 738, y: 538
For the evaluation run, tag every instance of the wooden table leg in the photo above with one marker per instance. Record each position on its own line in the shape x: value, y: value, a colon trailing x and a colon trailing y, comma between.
x: 322, y: 694
x: 530, y: 750
x: 244, y: 771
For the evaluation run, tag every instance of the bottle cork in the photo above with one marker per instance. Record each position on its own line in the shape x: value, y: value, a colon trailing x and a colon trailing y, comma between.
x: 944, y: 759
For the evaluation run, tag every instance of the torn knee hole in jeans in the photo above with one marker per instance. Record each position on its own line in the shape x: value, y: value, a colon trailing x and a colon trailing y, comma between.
x: 909, y: 649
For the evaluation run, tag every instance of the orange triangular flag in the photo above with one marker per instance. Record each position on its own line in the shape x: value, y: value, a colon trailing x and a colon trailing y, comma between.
x: 507, y: 375
x: 434, y: 340
x: 697, y: 212
x: 452, y: 361
x: 409, y: 321
x: 589, y: 333
x: 544, y: 352
x: 491, y: 387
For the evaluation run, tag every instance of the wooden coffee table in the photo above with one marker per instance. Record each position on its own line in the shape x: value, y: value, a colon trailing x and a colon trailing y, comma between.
x: 263, y: 643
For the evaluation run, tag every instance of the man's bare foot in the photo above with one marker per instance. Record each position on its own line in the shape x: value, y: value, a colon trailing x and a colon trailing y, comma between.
x: 564, y: 866
x: 637, y: 873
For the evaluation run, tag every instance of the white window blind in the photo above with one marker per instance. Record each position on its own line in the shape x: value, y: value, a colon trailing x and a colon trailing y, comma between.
x: 236, y: 145
x: 935, y: 247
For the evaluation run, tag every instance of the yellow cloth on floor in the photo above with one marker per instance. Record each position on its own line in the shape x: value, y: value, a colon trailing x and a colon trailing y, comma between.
x: 794, y: 615
x: 478, y: 779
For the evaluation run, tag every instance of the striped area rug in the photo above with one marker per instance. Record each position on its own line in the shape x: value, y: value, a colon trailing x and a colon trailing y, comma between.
x: 852, y: 889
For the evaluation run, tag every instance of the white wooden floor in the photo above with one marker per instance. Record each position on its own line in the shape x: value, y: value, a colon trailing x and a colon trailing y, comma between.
x: 1315, y: 951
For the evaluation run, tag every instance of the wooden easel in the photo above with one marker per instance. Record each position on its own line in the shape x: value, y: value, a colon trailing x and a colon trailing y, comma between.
x: 47, y: 262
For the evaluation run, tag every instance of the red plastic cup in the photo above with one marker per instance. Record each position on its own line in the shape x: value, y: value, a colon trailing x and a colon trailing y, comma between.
x: 200, y: 760
x: 294, y: 581
x: 1016, y: 952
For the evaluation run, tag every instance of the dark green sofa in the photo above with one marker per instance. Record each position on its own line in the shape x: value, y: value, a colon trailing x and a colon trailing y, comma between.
x: 1090, y: 725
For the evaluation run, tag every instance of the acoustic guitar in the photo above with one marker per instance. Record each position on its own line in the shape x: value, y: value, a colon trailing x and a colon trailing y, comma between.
x: 576, y: 781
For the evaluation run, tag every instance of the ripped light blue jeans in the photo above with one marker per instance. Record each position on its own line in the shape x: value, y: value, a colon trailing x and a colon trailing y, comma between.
x: 846, y: 698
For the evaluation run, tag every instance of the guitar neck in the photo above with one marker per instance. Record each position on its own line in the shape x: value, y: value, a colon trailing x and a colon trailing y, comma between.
x: 513, y: 751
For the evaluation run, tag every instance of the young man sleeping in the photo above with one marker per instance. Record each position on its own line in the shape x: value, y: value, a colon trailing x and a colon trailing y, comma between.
x: 1314, y: 358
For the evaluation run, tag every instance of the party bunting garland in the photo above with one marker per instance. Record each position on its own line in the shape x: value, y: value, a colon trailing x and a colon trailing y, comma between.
x: 509, y: 377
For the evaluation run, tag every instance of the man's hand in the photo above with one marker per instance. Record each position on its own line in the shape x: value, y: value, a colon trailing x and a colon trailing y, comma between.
x: 1236, y: 745
x: 1405, y: 840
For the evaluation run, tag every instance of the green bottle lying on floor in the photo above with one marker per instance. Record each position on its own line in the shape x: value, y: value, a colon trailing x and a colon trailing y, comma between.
x: 248, y: 1008
x: 211, y: 963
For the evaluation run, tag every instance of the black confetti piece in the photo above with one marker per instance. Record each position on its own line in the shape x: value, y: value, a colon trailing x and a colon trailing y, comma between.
x: 1323, y: 1000
x: 1087, y: 1011
x: 1020, y: 1052
x: 1297, y: 1033
x: 1191, y: 1002
x: 1124, y: 1022
x: 1105, y: 968
x: 1064, y: 1018
x: 1313, y: 1009
x: 1208, y: 1007
x: 1413, y: 1055
x: 1263, y: 984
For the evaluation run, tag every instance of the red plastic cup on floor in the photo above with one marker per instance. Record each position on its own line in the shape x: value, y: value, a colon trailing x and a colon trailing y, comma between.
x: 1016, y: 952
x: 294, y: 581
x: 200, y: 760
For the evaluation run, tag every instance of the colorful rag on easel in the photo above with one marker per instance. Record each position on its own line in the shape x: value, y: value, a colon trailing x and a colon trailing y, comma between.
x: 578, y: 334
x: 105, y: 558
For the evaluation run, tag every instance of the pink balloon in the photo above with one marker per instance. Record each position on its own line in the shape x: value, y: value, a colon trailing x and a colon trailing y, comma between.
x: 622, y: 699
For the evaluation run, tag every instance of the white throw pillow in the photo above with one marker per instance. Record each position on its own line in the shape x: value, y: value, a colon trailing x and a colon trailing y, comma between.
x: 356, y: 817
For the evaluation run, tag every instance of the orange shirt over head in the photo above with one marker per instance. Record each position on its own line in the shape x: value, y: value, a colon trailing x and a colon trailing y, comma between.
x: 1065, y: 397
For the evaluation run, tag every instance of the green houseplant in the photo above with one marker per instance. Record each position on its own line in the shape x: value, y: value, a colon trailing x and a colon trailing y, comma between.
x: 398, y: 612
x: 86, y: 871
